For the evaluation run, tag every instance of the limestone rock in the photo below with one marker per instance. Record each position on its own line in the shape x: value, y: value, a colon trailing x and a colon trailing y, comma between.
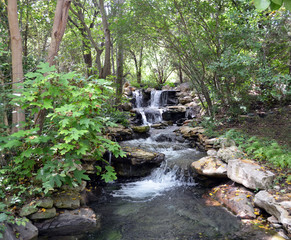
x: 120, y: 133
x: 229, y: 153
x: 249, y: 174
x: 28, y: 209
x: 212, y: 153
x: 140, y: 129
x: 27, y: 232
x: 190, y: 132
x: 71, y: 222
x: 237, y: 199
x: 274, y: 206
x: 137, y: 162
x: 69, y: 200
x: 45, y: 202
x: 210, y: 166
x: 43, y: 214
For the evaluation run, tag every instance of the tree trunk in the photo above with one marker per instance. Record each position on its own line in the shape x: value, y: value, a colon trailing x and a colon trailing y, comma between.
x: 18, y: 114
x: 59, y: 26
x: 107, y: 65
x: 119, y: 72
x: 60, y: 22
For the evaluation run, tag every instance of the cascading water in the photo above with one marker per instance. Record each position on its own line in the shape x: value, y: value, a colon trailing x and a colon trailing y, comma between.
x: 150, y: 112
x: 164, y: 205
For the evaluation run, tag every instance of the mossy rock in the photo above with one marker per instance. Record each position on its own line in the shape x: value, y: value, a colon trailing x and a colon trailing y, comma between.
x: 140, y: 129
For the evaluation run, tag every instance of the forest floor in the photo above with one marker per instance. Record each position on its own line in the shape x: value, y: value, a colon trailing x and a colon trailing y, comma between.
x: 274, y: 124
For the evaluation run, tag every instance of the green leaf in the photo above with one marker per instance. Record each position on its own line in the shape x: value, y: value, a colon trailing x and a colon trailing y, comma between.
x: 262, y: 4
x: 79, y: 175
x: 278, y: 2
x: 13, y: 143
x: 274, y: 6
x: 287, y: 4
x: 47, y: 103
x: 3, y: 217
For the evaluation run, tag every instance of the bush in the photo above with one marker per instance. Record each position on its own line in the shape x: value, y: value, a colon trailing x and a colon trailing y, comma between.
x: 74, y: 127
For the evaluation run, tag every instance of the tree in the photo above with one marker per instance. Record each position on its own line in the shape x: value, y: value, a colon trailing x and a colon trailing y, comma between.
x: 18, y: 116
x: 59, y: 26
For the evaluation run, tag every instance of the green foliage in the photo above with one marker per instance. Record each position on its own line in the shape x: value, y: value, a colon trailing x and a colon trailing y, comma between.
x: 273, y: 4
x: 262, y: 150
x: 75, y: 127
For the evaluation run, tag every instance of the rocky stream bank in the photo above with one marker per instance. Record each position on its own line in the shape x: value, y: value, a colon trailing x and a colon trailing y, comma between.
x: 241, y: 185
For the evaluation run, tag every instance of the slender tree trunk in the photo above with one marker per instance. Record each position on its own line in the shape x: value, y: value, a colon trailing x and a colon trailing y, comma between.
x: 59, y: 26
x: 107, y: 65
x: 119, y: 72
x: 18, y: 114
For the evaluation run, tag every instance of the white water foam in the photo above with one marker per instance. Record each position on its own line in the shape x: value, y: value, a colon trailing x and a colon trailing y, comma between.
x: 160, y: 181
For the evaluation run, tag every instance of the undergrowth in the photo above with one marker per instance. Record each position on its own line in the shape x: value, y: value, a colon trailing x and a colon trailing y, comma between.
x: 261, y: 149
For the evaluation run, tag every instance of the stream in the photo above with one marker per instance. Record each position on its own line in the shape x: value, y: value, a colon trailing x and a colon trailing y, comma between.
x: 168, y: 204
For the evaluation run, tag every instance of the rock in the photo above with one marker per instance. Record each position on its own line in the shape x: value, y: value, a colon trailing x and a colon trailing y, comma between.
x: 211, y: 141
x: 212, y: 153
x: 137, y: 162
x: 190, y: 132
x: 279, y: 209
x: 183, y: 87
x: 210, y: 166
x: 185, y: 100
x: 43, y: 214
x: 174, y: 113
x: 28, y: 209
x: 237, y: 199
x: 225, y: 142
x: 249, y: 174
x: 120, y: 133
x: 229, y: 153
x: 45, y: 202
x: 127, y: 106
x: 27, y: 232
x: 140, y: 129
x: 71, y: 222
x: 68, y: 200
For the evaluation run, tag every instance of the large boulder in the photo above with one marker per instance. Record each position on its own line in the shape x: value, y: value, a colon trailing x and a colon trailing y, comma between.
x: 237, y: 199
x: 249, y: 173
x: 278, y: 206
x: 15, y: 232
x: 210, y: 166
x: 174, y: 113
x: 71, y: 222
x: 229, y: 153
x: 137, y: 162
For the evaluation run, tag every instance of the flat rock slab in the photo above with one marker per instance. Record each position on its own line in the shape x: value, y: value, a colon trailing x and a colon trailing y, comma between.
x: 190, y: 132
x: 249, y: 174
x: 136, y: 156
x: 278, y: 206
x: 71, y: 222
x: 237, y: 199
x: 210, y: 166
x: 68, y: 200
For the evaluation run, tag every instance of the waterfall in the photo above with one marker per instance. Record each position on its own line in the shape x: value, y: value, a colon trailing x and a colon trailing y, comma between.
x: 152, y: 113
x: 156, y: 98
